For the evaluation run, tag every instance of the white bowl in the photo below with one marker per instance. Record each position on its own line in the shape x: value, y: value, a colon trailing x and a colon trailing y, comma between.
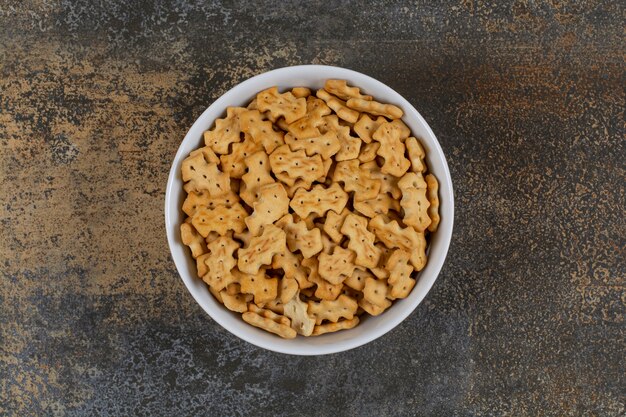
x: 370, y: 328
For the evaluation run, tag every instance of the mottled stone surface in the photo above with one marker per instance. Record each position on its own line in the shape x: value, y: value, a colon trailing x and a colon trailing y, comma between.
x: 527, y: 99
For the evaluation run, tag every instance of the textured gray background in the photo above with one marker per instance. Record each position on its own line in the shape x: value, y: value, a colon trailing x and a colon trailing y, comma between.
x: 527, y: 100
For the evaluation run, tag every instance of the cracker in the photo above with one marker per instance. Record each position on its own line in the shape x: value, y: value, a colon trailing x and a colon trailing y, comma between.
x: 281, y: 105
x: 297, y: 311
x: 349, y: 145
x: 392, y: 235
x: 343, y: 307
x: 379, y: 205
x: 201, y: 175
x: 262, y: 249
x: 272, y: 203
x: 220, y: 262
x: 373, y: 309
x: 201, y: 266
x: 388, y: 183
x: 257, y: 176
x: 190, y: 237
x: 373, y: 107
x: 324, y: 290
x: 336, y: 267
x: 263, y: 289
x: 325, y: 145
x: 287, y: 289
x: 361, y: 241
x: 196, y: 201
x: 301, y: 92
x: 291, y: 190
x: 375, y: 291
x: 366, y: 127
x: 414, y: 201
x: 226, y: 131
x: 307, y: 126
x: 208, y: 154
x: 418, y: 255
x: 291, y: 264
x: 341, y: 89
x: 319, y: 200
x: 416, y: 154
x: 299, y: 237
x: 400, y: 272
x: 338, y: 106
x: 356, y: 281
x: 391, y: 149
x: 236, y: 302
x: 333, y: 223
x: 296, y: 165
x: 432, y: 188
x: 261, y: 131
x: 356, y: 179
x: 234, y: 164
x: 368, y: 152
x: 221, y: 219
x: 271, y: 322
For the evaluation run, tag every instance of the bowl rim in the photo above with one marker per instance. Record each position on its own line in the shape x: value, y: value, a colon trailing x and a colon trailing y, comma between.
x: 443, y: 233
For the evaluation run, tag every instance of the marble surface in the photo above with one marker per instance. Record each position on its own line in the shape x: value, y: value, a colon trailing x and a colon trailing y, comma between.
x: 527, y: 100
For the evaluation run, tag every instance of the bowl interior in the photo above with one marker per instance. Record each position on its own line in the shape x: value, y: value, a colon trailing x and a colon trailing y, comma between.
x: 370, y: 328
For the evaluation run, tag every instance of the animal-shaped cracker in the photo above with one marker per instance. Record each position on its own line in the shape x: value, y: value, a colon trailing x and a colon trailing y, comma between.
x: 361, y: 241
x: 306, y: 127
x: 373, y: 107
x: 333, y: 223
x: 319, y: 200
x: 196, y: 201
x: 432, y: 188
x: 301, y: 92
x: 291, y: 264
x: 338, y: 106
x: 337, y: 267
x: 262, y: 249
x: 299, y: 237
x: 356, y: 281
x: 414, y: 201
x: 368, y: 152
x: 190, y: 237
x: 400, y: 274
x: 341, y: 89
x: 202, y: 175
x: 226, y: 131
x: 221, y: 219
x: 379, y: 205
x: 281, y: 105
x: 357, y: 180
x: 335, y: 327
x: 325, y: 145
x: 324, y: 290
x: 388, y: 183
x: 375, y: 291
x: 261, y: 131
x: 272, y: 203
x: 343, y: 307
x: 257, y: 176
x: 220, y: 263
x: 391, y: 149
x: 233, y: 163
x: 366, y: 127
x: 296, y: 165
x: 301, y: 322
x: 263, y: 289
x: 269, y: 321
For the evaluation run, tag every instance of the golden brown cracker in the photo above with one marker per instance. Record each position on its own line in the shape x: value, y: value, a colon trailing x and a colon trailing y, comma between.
x: 262, y: 249
x: 336, y: 267
x: 261, y: 131
x: 233, y: 163
x: 414, y: 201
x: 270, y: 322
x: 221, y: 219
x: 201, y: 175
x: 361, y: 241
x: 296, y: 165
x: 297, y: 311
x: 379, y: 205
x: 301, y: 92
x: 391, y: 149
x: 333, y: 223
x: 271, y: 204
x: 365, y: 127
x: 325, y: 145
x: 226, y: 131
x: 281, y: 105
x: 338, y: 106
x: 400, y: 271
x: 341, y: 89
x: 432, y: 189
x: 263, y: 289
x: 190, y: 237
x: 343, y: 307
x: 368, y: 152
x: 373, y: 107
x: 357, y: 180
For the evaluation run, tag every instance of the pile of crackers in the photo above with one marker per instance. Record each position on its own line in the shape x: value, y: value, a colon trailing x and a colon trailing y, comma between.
x: 306, y: 211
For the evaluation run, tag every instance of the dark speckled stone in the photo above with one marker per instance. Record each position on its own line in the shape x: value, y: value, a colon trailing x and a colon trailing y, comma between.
x: 527, y: 99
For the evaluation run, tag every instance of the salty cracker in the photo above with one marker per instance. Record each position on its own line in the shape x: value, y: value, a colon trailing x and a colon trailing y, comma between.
x: 416, y: 154
x: 301, y: 92
x: 221, y: 219
x: 366, y: 127
x: 388, y: 183
x: 408, y: 239
x: 335, y: 327
x: 291, y: 264
x: 202, y: 175
x: 261, y: 131
x: 338, y: 106
x: 226, y: 131
x: 269, y: 321
x: 400, y: 272
x: 333, y: 223
x: 356, y: 281
x: 324, y: 290
x: 271, y: 204
x: 432, y: 188
x: 233, y: 163
x: 391, y: 149
x: 281, y: 105
x: 343, y: 307
x: 236, y: 302
x: 361, y: 241
x: 356, y: 179
x: 263, y: 289
x: 287, y: 289
x: 350, y: 146
x: 291, y: 190
x: 341, y: 89
x: 368, y: 152
x: 373, y: 107
x: 190, y: 237
x: 299, y: 237
x: 208, y: 154
x: 319, y: 200
x: 373, y: 309
x: 375, y: 291
x: 325, y: 145
x: 220, y: 262
x: 297, y: 311
x: 201, y: 266
x: 196, y: 201
x: 257, y: 176
x: 336, y: 267
x: 379, y: 205
x: 295, y: 165
x: 262, y: 249
x: 414, y: 201
x: 307, y: 126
